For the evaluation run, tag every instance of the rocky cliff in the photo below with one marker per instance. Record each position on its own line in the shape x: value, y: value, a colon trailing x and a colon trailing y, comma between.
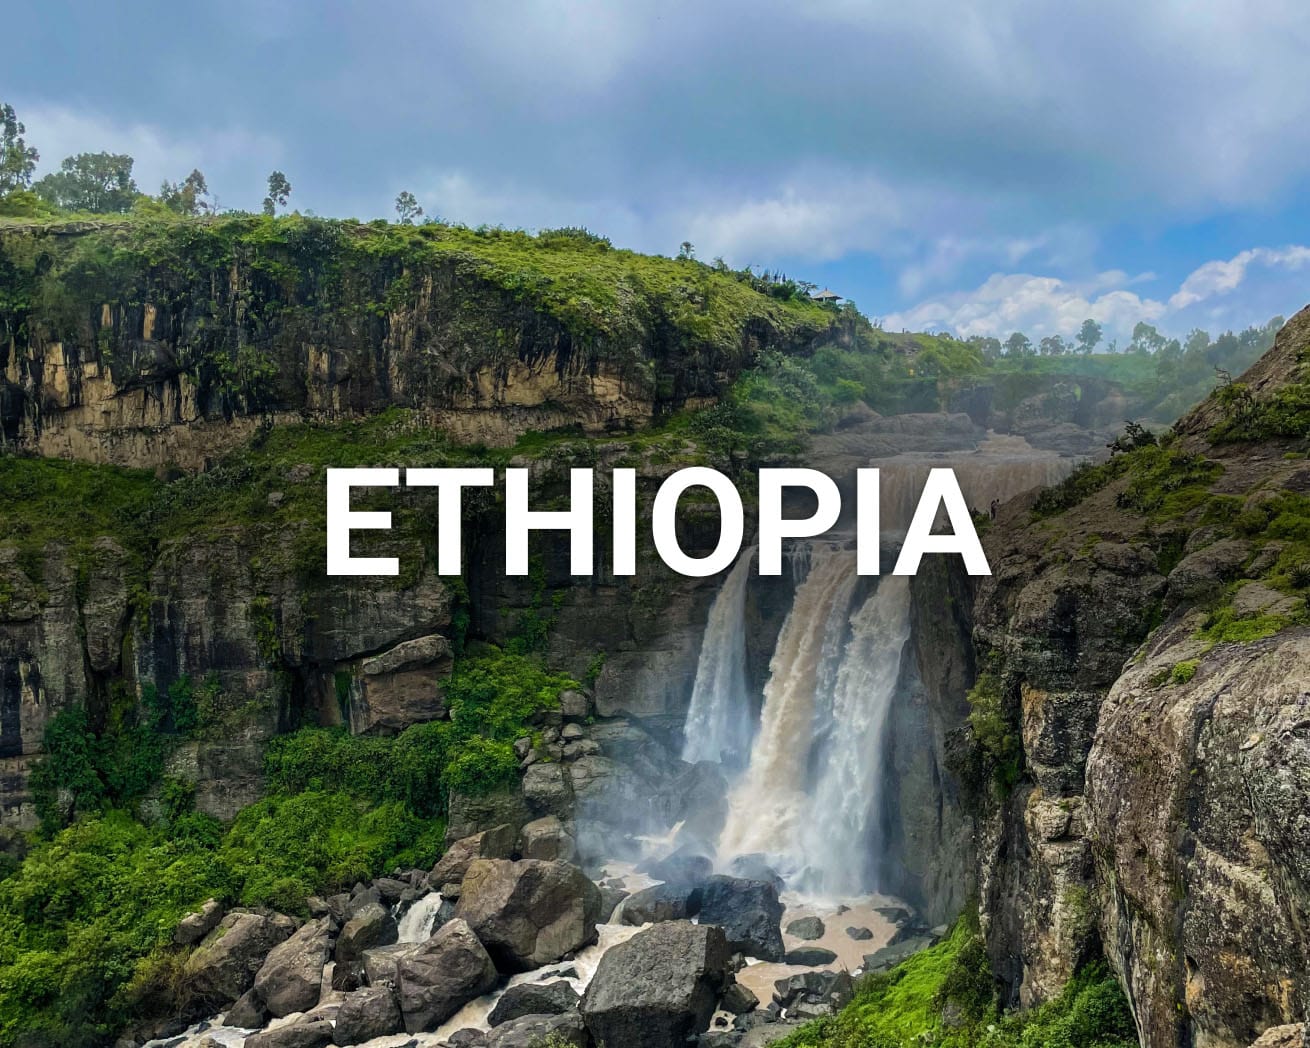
x: 1143, y: 695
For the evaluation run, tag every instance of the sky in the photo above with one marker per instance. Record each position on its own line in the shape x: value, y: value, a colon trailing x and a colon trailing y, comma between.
x: 953, y: 166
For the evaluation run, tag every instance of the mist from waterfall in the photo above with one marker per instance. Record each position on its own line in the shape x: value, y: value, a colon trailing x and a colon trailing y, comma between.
x: 720, y: 715
x: 840, y: 836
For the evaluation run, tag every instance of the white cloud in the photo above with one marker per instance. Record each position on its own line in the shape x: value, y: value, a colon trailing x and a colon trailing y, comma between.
x: 1045, y: 305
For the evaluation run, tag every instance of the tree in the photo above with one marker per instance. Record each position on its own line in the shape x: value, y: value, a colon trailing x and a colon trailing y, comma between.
x: 98, y: 182
x: 188, y: 195
x: 987, y: 345
x: 1017, y: 345
x: 1089, y: 336
x: 1196, y: 343
x: 1052, y: 346
x: 1146, y: 339
x: 17, y: 158
x: 279, y: 189
x: 407, y: 207
x: 686, y: 252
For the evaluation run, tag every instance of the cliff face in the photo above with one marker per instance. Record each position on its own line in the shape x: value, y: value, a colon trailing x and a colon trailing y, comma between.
x: 169, y: 343
x: 1144, y: 638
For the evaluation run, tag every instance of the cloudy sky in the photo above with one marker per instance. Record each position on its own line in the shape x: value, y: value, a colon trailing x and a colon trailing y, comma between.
x: 947, y: 164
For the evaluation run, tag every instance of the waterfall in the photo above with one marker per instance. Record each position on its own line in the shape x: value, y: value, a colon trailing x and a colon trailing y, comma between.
x: 839, y: 836
x: 770, y: 798
x: 719, y: 717
x: 416, y: 923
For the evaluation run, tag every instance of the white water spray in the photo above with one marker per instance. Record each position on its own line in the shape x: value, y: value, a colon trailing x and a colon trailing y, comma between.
x: 416, y: 923
x: 719, y: 718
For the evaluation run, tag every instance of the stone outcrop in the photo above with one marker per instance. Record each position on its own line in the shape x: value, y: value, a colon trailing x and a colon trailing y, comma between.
x: 529, y: 913
x: 439, y: 976
x: 224, y: 965
x: 291, y: 978
x: 658, y: 988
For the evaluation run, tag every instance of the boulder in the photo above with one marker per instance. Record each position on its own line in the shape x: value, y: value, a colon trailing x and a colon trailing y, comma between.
x: 755, y: 867
x: 371, y: 926
x: 859, y: 934
x: 400, y: 687
x: 659, y: 988
x: 467, y: 1038
x: 660, y: 902
x: 548, y: 791
x: 441, y: 976
x: 552, y: 998
x: 546, y: 838
x: 1295, y: 1036
x: 807, y: 928
x: 610, y: 899
x: 529, y: 913
x: 739, y: 999
x: 248, y: 1013
x: 684, y: 866
x: 809, y: 957
x: 749, y: 912
x: 380, y: 963
x: 367, y: 1013
x: 534, y: 1031
x: 824, y: 992
x: 291, y: 978
x: 223, y: 966
x: 574, y: 705
x: 495, y: 843
x: 299, y: 1035
x: 195, y: 926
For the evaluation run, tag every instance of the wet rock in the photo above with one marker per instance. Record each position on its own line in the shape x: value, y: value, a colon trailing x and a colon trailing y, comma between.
x: 571, y: 733
x: 495, y: 843
x: 371, y: 926
x: 299, y: 1035
x: 684, y: 866
x: 547, y: 790
x: 390, y: 889
x: 467, y: 1038
x: 810, y: 956
x: 195, y: 926
x: 442, y: 975
x: 529, y: 913
x: 749, y: 912
x: 552, y: 998
x: 547, y: 838
x: 574, y: 705
x: 291, y: 978
x: 658, y: 988
x: 808, y: 928
x: 755, y: 867
x: 248, y: 1013
x: 739, y: 999
x: 224, y: 965
x: 824, y: 992
x: 660, y: 902
x: 367, y: 1013
x: 533, y: 1031
x: 610, y: 899
x: 381, y: 962
x: 859, y: 934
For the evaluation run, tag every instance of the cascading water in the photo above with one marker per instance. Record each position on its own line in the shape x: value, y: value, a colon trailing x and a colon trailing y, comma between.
x: 811, y: 796
x: 770, y: 799
x: 719, y: 717
x: 415, y: 924
x: 839, y: 836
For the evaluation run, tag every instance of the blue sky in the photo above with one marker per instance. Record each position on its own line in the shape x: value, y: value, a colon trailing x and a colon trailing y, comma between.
x: 948, y: 165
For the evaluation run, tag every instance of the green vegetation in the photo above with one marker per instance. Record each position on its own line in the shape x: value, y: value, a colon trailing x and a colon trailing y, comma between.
x: 86, y: 917
x: 994, y: 730
x: 1283, y: 416
x: 1184, y: 671
x: 944, y: 997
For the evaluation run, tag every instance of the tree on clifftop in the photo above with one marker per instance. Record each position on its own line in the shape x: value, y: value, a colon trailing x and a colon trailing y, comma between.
x: 188, y: 195
x: 1089, y: 336
x: 99, y: 182
x: 17, y: 158
x: 279, y: 189
x: 407, y: 207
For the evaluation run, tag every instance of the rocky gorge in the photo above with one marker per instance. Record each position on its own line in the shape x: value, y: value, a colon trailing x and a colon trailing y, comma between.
x: 1096, y: 756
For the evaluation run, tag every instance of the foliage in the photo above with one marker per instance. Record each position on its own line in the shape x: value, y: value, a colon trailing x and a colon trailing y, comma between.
x: 994, y: 729
x: 909, y: 1006
x: 279, y: 190
x: 17, y: 158
x: 1283, y: 415
x: 97, y: 182
x: 187, y: 197
x: 1184, y: 671
x: 407, y: 207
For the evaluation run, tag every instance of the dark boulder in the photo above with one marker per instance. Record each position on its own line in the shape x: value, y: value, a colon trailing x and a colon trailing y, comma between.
x: 859, y: 934
x: 659, y: 988
x: 749, y: 912
x: 223, y: 966
x: 368, y: 1013
x: 535, y: 1031
x: 552, y: 998
x: 684, y: 866
x: 807, y: 928
x: 529, y: 913
x: 441, y: 976
x: 316, y: 1034
x: 661, y: 902
x: 291, y: 978
x: 809, y: 956
x: 495, y: 843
